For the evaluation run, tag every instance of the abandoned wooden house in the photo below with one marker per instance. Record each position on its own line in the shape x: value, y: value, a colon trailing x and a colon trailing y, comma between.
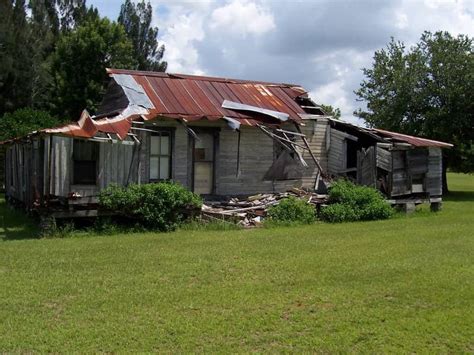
x: 215, y: 136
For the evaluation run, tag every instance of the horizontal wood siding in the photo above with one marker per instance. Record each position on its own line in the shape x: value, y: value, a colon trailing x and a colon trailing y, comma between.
x: 316, y: 135
x: 417, y: 160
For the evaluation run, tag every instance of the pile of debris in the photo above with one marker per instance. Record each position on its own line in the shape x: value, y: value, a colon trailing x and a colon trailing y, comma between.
x: 250, y: 211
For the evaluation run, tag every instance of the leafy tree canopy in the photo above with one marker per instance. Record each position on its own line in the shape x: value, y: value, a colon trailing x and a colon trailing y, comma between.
x: 80, y: 60
x: 23, y: 121
x: 427, y: 90
x: 136, y: 19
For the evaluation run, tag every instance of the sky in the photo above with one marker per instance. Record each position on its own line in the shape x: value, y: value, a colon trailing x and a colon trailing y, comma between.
x: 321, y: 45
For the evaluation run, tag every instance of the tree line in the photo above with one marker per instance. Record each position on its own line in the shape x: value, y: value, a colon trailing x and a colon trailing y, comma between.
x: 53, y: 55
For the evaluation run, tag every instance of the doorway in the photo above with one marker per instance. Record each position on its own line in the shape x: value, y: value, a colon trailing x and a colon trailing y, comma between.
x: 204, y: 162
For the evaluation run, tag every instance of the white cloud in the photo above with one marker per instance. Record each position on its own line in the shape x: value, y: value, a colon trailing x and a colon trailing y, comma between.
x: 242, y: 17
x: 401, y: 20
x: 179, y: 40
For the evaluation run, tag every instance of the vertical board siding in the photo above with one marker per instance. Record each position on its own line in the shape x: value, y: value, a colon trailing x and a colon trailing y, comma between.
x: 366, y: 167
x: 61, y: 166
x: 337, y: 153
x: 180, y: 156
x: 434, y: 185
x: 401, y: 180
x: 256, y: 157
x: 21, y: 177
x: 116, y: 164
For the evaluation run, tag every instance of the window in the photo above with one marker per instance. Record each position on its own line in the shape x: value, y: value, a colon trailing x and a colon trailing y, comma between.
x: 85, y: 155
x: 160, y: 156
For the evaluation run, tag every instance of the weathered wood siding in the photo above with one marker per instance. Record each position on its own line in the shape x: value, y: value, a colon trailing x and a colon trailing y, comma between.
x: 384, y: 159
x: 60, y: 169
x: 401, y: 180
x: 366, y: 167
x: 316, y: 134
x: 417, y: 161
x: 256, y: 157
x: 116, y: 164
x: 337, y: 152
x: 23, y: 173
x: 434, y: 185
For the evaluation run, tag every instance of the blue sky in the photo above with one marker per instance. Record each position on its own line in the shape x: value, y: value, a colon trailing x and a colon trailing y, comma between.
x: 319, y: 44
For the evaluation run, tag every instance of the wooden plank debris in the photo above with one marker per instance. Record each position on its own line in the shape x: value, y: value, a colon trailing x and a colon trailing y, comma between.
x: 250, y: 211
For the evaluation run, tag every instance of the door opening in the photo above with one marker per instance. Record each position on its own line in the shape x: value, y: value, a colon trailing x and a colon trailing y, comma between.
x: 203, y: 160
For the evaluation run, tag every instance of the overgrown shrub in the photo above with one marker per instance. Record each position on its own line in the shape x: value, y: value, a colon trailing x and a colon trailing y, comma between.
x: 291, y: 210
x: 162, y: 206
x: 338, y: 212
x: 350, y: 202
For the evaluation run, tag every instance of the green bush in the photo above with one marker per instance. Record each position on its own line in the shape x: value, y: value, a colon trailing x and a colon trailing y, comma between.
x: 291, y: 210
x: 162, y: 206
x: 350, y: 202
x: 338, y: 212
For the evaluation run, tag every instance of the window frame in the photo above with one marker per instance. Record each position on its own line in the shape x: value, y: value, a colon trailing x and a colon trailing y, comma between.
x: 159, y: 133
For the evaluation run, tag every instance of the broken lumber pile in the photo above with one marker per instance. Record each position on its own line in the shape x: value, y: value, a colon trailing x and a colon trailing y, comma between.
x: 250, y: 211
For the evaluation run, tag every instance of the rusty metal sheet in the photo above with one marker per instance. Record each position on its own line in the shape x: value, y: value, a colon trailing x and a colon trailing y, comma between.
x: 415, y: 141
x: 192, y: 96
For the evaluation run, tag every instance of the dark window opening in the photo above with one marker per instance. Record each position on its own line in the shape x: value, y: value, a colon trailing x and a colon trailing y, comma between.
x: 85, y: 156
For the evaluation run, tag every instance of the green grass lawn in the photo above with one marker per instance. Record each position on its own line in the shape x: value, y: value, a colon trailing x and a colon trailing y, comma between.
x: 402, y: 285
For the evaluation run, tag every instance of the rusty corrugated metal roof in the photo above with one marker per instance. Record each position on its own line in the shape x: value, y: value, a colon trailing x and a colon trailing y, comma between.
x: 87, y: 127
x: 196, y: 97
x: 415, y: 141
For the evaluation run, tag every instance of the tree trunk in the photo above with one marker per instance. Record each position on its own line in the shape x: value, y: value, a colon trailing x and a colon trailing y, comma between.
x: 444, y: 177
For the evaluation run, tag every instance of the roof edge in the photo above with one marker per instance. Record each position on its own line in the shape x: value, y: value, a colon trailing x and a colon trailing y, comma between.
x: 111, y: 71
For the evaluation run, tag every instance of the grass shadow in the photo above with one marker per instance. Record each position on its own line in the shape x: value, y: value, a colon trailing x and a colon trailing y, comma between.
x: 16, y: 224
x: 460, y: 196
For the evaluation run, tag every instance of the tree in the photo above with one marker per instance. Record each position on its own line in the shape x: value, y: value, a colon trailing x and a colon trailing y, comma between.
x: 23, y: 121
x: 136, y: 19
x: 16, y: 61
x: 58, y: 15
x: 331, y: 111
x: 427, y: 90
x: 80, y: 60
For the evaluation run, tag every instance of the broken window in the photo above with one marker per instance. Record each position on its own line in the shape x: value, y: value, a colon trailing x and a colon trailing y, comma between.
x: 85, y: 157
x: 160, y: 156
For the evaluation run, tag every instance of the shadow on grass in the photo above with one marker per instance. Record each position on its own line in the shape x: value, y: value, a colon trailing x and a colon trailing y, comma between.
x: 15, y: 224
x: 460, y: 196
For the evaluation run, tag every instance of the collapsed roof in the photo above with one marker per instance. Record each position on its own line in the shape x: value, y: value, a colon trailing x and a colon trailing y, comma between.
x: 142, y: 96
